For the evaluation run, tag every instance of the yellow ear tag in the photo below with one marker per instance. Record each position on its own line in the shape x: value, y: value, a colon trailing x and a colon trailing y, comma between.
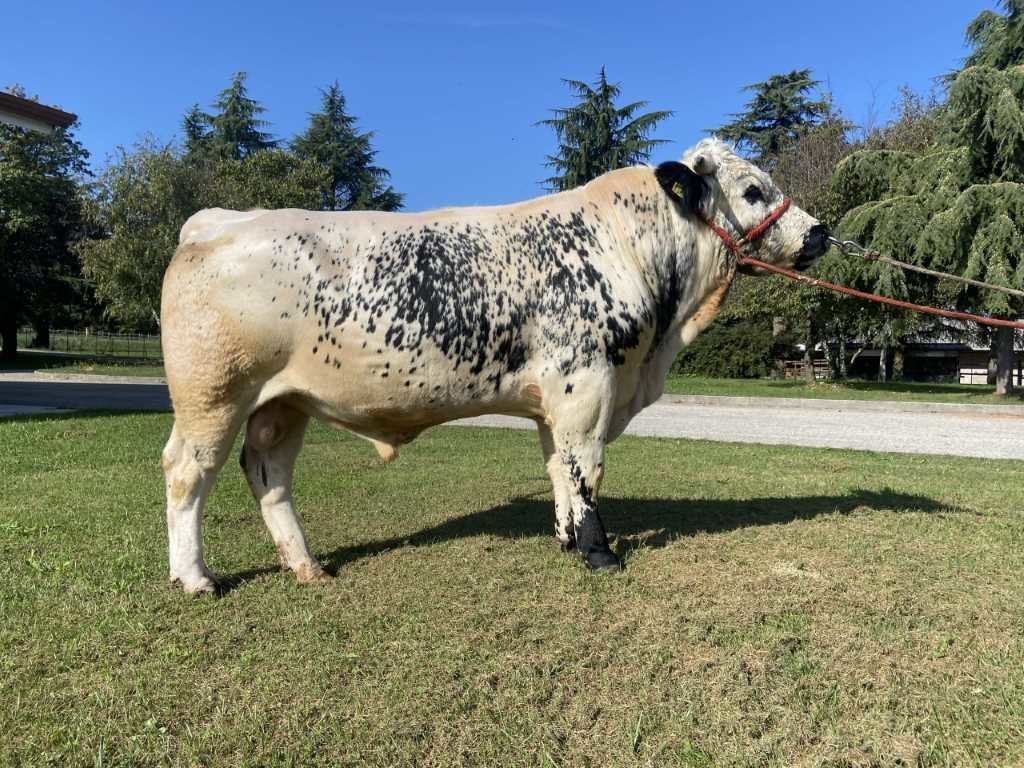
x: 677, y: 188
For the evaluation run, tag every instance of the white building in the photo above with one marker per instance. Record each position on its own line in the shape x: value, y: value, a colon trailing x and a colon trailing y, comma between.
x: 26, y: 113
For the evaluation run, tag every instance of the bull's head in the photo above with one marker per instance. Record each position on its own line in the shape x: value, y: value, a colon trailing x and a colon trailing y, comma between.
x: 733, y: 194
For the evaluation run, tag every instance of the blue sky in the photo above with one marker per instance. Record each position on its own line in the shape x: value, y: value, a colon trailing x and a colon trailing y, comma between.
x: 453, y: 89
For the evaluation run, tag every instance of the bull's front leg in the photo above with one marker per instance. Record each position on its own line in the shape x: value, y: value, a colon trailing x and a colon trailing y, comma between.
x: 579, y: 430
x: 565, y: 531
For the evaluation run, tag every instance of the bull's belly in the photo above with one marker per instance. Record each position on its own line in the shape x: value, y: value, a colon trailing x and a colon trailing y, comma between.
x: 393, y: 396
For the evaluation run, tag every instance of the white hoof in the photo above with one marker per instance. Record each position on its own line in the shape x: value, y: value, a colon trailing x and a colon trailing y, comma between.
x: 203, y: 586
x: 312, y: 573
x: 200, y: 583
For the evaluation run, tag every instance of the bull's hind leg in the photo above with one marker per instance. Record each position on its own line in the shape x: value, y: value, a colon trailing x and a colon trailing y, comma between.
x: 190, y: 466
x: 565, y: 531
x: 273, y: 439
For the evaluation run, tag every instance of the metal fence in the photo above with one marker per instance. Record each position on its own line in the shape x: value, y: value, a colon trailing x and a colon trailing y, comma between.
x: 797, y: 369
x: 97, y: 343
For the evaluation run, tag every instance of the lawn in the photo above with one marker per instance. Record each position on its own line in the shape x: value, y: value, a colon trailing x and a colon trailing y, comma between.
x: 780, y: 606
x: 850, y: 390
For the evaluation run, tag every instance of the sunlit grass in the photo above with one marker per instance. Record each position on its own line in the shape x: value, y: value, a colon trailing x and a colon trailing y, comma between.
x: 848, y: 390
x: 780, y: 606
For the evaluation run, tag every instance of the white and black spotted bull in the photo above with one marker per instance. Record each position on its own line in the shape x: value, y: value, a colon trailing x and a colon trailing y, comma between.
x: 567, y: 310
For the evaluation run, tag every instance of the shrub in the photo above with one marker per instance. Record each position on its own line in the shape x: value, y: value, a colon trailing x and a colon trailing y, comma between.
x: 738, y: 349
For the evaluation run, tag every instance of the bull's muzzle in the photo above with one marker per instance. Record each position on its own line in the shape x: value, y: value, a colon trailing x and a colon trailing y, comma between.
x: 815, y: 245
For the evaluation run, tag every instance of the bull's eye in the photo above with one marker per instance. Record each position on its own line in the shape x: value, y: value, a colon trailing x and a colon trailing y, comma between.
x: 753, y: 195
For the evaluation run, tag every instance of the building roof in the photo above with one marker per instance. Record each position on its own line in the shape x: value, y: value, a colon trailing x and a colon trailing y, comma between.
x: 35, y: 111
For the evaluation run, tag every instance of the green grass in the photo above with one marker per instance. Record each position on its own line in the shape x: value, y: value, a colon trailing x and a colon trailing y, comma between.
x: 851, y: 390
x: 781, y: 606
x: 113, y: 368
x: 54, y: 362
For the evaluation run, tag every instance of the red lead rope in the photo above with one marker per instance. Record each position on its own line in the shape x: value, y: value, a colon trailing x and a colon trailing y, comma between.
x: 758, y: 232
x: 747, y: 261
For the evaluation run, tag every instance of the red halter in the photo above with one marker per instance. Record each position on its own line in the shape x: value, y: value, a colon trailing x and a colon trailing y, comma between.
x: 753, y: 235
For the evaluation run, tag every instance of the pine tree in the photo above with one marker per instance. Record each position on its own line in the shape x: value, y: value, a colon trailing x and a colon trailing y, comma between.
x: 196, y: 125
x: 596, y: 136
x: 958, y: 206
x: 333, y: 139
x: 236, y: 126
x: 780, y: 108
x: 997, y: 39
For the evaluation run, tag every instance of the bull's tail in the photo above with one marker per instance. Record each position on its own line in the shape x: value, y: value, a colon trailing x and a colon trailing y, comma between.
x: 386, y: 451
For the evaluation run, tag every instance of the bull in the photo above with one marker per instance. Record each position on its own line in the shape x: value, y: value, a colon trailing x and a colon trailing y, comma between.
x: 567, y: 310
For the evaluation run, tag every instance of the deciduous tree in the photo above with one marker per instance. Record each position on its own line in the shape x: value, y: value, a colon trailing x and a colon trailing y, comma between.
x: 139, y: 204
x: 39, y: 217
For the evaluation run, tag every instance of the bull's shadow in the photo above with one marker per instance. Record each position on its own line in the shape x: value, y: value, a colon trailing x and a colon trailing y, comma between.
x: 632, y: 523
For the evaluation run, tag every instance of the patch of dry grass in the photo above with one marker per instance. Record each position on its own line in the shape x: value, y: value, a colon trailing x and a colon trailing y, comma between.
x: 781, y: 606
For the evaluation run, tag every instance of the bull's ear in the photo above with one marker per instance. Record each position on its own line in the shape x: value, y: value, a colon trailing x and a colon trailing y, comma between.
x: 682, y: 184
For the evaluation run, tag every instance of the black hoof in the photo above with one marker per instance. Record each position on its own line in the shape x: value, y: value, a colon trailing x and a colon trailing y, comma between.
x: 603, y: 560
x: 567, y: 546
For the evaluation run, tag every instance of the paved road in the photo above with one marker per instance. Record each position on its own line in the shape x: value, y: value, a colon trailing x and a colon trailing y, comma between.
x: 982, y: 431
x: 92, y: 392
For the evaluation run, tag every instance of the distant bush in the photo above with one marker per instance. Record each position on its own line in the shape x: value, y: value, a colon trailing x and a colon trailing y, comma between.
x: 735, y: 349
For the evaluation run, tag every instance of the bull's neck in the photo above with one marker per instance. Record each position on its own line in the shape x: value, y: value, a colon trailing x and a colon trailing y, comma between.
x: 679, y: 257
x: 686, y: 268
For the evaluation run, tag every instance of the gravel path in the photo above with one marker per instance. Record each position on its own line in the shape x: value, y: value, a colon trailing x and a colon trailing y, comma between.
x: 827, y: 424
x: 961, y: 430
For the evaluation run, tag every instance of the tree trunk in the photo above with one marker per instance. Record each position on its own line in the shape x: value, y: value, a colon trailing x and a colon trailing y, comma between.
x: 809, y: 351
x: 1004, y: 361
x: 842, y: 355
x: 808, y: 365
x: 42, y: 335
x: 9, y: 334
x: 883, y: 358
x: 993, y: 352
